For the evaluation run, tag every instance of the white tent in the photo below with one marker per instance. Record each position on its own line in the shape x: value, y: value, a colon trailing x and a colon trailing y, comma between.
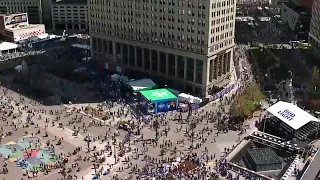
x: 18, y: 68
x: 115, y: 77
x: 189, y: 98
x: 81, y: 46
x: 22, y: 68
x: 291, y: 114
x: 141, y: 84
x: 43, y: 36
x: 5, y: 46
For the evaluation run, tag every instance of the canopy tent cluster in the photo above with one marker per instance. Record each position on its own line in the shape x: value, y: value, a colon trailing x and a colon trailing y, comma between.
x: 291, y: 114
x: 7, y: 46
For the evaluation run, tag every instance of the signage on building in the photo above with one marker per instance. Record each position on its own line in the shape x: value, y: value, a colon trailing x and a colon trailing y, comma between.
x: 159, y: 94
x: 15, y: 19
x: 287, y: 114
x: 30, y: 34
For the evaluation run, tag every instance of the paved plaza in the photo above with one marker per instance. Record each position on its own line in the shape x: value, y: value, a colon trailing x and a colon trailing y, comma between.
x: 82, y: 141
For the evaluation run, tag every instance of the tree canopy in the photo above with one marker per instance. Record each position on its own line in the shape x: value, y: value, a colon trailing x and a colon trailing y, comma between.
x: 314, y: 85
x: 248, y: 102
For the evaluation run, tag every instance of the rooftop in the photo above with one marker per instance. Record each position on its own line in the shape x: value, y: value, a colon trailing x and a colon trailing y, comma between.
x: 141, y: 84
x: 264, y: 156
x: 155, y: 95
x: 19, y: 27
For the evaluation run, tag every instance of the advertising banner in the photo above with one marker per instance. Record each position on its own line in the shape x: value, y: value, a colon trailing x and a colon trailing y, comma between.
x: 15, y: 19
x: 162, y: 107
x: 172, y: 105
x: 195, y: 106
x: 144, y: 102
x: 166, y: 106
x: 223, y: 92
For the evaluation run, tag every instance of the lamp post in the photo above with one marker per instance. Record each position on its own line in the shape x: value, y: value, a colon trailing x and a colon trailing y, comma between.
x: 156, y: 127
x: 192, y: 139
x: 114, y: 150
x: 192, y: 127
x: 264, y: 124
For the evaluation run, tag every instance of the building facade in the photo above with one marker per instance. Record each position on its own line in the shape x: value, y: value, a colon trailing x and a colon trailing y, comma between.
x: 314, y: 34
x: 32, y: 7
x: 187, y: 42
x: 296, y: 16
x: 70, y: 15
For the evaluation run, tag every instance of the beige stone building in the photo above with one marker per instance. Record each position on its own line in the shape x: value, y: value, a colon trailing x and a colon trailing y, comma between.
x: 32, y: 7
x: 70, y: 15
x: 314, y: 34
x: 187, y: 43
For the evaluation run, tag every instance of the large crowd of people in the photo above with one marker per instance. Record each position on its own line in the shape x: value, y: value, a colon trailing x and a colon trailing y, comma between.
x: 191, y: 164
x: 19, y: 54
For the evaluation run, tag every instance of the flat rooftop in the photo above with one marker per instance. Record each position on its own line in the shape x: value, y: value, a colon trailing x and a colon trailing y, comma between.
x: 263, y: 156
x: 14, y: 28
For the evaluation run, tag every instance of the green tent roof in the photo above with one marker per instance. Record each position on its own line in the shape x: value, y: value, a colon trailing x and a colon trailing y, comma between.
x: 155, y: 95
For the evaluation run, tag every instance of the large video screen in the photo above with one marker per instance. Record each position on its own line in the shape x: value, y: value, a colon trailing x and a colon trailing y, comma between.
x: 15, y: 19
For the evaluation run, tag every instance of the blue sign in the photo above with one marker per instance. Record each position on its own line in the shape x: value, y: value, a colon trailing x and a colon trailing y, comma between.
x: 195, y: 106
x: 162, y: 107
x: 166, y: 106
x: 287, y: 114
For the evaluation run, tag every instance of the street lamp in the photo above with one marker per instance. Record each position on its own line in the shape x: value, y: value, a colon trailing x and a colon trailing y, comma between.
x: 192, y: 127
x: 192, y: 138
x: 156, y: 127
x: 114, y: 149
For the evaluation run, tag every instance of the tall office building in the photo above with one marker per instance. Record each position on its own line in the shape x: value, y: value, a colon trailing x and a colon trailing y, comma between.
x: 70, y: 15
x: 32, y: 7
x: 187, y: 42
x: 314, y: 34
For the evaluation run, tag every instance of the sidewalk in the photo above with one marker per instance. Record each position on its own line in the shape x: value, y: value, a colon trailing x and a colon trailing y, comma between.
x: 78, y: 141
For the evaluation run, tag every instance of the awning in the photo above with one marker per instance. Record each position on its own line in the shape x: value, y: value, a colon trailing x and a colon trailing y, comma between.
x: 141, y: 84
x: 7, y: 46
x: 291, y: 114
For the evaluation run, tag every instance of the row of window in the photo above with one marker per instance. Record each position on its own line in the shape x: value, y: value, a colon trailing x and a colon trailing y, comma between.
x: 221, y: 12
x: 221, y: 37
x: 184, y: 46
x: 75, y: 19
x: 69, y: 14
x: 169, y: 26
x: 221, y: 45
x: 73, y: 10
x: 190, y: 4
x: 69, y: 7
x: 152, y: 32
x: 20, y: 3
x: 222, y: 4
x: 138, y: 14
